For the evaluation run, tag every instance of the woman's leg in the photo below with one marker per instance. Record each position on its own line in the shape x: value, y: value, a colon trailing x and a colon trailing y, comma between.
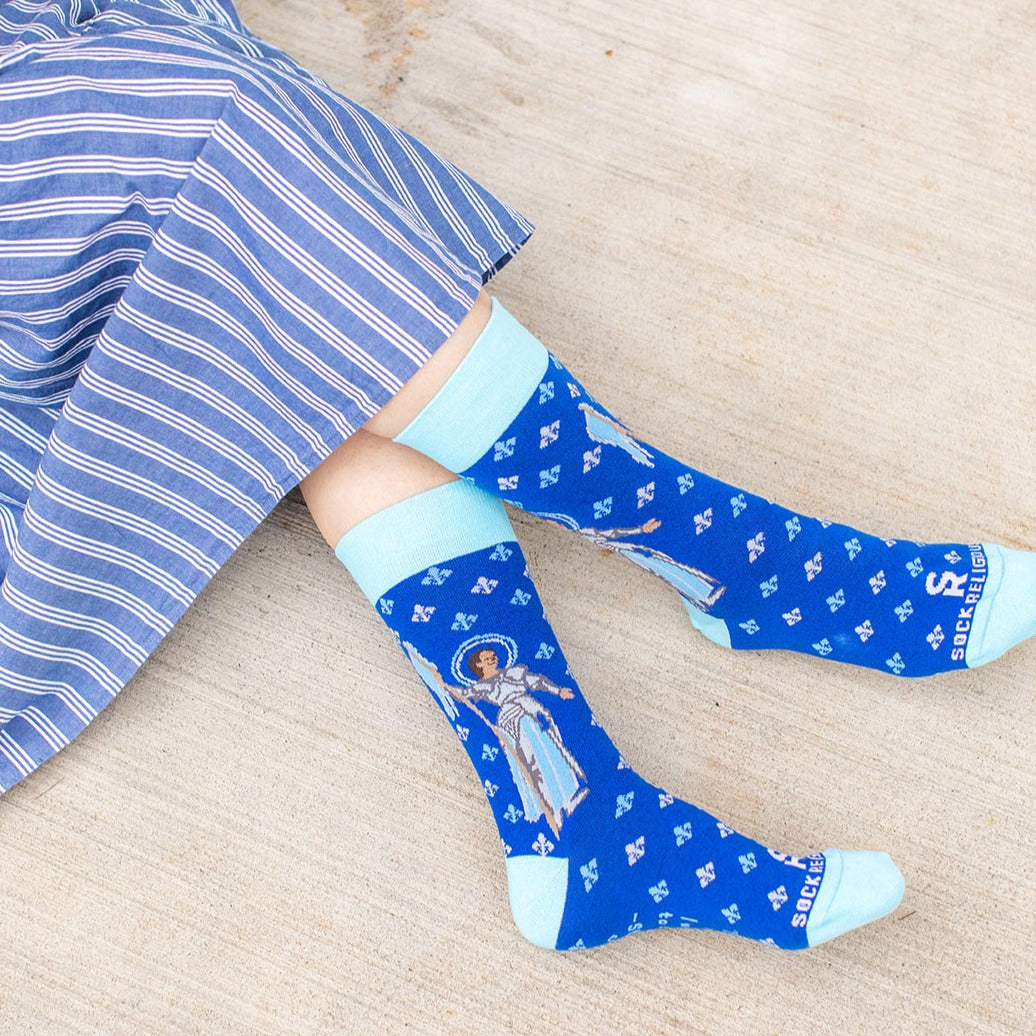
x: 514, y: 421
x: 593, y: 850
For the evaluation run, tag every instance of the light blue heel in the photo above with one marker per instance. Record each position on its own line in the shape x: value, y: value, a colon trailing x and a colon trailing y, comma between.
x: 713, y: 628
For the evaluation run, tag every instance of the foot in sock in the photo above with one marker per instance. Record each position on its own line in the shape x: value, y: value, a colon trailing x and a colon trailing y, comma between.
x: 593, y: 851
x: 752, y: 574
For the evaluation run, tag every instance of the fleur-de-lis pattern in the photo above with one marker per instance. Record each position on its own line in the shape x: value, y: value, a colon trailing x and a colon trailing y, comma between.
x: 577, y: 463
x: 635, y: 850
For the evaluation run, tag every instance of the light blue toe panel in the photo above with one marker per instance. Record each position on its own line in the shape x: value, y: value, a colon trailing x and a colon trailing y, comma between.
x: 713, y: 628
x: 1006, y: 613
x: 858, y: 886
x: 537, y: 886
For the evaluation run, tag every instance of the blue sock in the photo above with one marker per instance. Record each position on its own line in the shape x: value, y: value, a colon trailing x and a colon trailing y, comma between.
x: 593, y: 851
x: 752, y: 574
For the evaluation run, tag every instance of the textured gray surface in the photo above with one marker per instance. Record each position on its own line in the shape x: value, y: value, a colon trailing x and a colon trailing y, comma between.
x: 789, y: 242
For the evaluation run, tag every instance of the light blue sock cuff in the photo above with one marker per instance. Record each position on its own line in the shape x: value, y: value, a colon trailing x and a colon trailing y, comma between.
x: 482, y: 397
x: 421, y: 531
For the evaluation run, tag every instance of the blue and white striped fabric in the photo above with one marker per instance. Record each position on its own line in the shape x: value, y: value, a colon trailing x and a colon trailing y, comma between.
x: 213, y: 269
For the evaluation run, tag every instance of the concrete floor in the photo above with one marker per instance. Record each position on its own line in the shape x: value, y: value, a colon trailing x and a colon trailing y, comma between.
x: 791, y: 242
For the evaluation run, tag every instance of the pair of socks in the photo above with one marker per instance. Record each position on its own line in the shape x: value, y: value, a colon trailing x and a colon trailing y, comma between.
x: 593, y: 851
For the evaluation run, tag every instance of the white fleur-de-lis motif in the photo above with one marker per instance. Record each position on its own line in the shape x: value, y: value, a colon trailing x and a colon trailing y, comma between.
x: 904, y: 610
x: 853, y: 547
x: 462, y: 732
x: 751, y: 626
x: 685, y: 482
x: 732, y: 913
x: 768, y: 586
x: 463, y: 621
x: 664, y: 799
x: 545, y: 650
x: 645, y: 494
x: 589, y: 874
x: 794, y: 527
x: 422, y: 612
x: 623, y: 804
x: 543, y: 845
x: 878, y: 582
x: 504, y: 484
x: 591, y: 458
x: 748, y: 862
x: 778, y: 897
x: 436, y: 576
x: 682, y: 832
x: 546, y: 391
x: 385, y: 606
x: 702, y: 521
x: 635, y: 850
x: 549, y: 433
x: 659, y: 892
x: 952, y: 557
x: 504, y: 449
x: 706, y: 874
x: 836, y: 600
x: 738, y: 504
x: 520, y: 597
x: 823, y: 647
x: 936, y: 637
x: 865, y: 630
x: 792, y: 617
x: 550, y: 476
x: 484, y: 585
x: 724, y: 831
x: 915, y: 568
x: 491, y: 788
x: 513, y: 813
x: 501, y: 552
x: 489, y: 752
x: 814, y: 566
x: 602, y: 508
x: 756, y: 546
x: 896, y: 663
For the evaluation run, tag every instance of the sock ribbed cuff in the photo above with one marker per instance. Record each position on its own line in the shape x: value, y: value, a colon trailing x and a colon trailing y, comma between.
x: 423, y: 530
x: 482, y: 397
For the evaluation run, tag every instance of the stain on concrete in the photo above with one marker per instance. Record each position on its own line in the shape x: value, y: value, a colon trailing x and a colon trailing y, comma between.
x: 392, y: 28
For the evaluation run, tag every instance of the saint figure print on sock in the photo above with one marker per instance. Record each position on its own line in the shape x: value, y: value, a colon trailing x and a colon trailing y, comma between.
x: 696, y: 587
x: 549, y: 780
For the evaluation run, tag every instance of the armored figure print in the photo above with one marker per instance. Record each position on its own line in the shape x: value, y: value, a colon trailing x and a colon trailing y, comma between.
x: 549, y: 779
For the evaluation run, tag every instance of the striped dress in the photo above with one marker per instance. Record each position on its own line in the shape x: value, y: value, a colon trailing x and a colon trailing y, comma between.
x: 213, y: 269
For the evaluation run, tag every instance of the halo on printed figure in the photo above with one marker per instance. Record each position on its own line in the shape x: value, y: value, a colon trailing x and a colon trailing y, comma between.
x: 692, y: 584
x: 605, y: 429
x: 506, y: 652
